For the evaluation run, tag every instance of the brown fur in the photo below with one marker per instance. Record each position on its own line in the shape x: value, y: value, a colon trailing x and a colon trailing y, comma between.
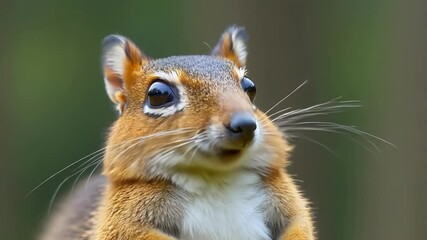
x: 137, y: 202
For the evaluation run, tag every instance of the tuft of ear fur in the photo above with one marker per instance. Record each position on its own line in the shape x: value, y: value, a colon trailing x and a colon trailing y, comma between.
x: 232, y: 45
x: 121, y: 58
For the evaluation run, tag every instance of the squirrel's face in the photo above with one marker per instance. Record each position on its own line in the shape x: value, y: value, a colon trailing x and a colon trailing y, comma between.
x: 191, y: 114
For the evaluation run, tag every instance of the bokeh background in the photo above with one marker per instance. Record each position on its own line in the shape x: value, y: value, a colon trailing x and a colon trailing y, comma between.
x: 54, y: 109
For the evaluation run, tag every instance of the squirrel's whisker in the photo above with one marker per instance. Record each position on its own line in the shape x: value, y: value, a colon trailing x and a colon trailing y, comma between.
x: 333, y: 131
x: 317, y: 143
x: 331, y: 127
x: 349, y: 129
x: 199, y: 137
x: 278, y: 112
x: 91, y: 155
x: 94, y: 155
x: 115, y: 146
x: 60, y: 185
x: 165, y: 152
x: 322, y: 108
x: 82, y: 171
x: 313, y: 112
x: 93, y: 170
x: 283, y: 99
x: 142, y: 139
x: 97, y: 156
x: 63, y: 169
x: 289, y: 121
x: 194, y: 154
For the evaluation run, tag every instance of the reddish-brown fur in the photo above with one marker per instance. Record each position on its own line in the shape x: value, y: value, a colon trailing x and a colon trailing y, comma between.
x: 139, y: 205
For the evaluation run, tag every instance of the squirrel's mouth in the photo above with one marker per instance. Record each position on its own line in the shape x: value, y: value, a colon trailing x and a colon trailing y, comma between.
x: 226, y: 154
x: 223, y: 152
x: 228, y: 151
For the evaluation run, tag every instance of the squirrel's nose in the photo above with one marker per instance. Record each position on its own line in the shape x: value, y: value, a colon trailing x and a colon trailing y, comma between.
x: 242, y: 124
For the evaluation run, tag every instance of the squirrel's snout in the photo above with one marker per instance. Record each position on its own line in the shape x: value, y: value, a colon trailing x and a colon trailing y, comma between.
x: 242, y: 126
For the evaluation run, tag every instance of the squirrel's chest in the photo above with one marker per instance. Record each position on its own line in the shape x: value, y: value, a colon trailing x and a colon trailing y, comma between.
x: 231, y: 212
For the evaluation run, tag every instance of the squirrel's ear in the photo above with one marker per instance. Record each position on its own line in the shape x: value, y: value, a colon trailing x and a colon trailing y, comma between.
x: 232, y: 45
x: 121, y: 62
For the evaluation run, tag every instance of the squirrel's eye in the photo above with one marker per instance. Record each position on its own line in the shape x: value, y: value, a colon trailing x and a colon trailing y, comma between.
x: 249, y: 87
x: 161, y: 94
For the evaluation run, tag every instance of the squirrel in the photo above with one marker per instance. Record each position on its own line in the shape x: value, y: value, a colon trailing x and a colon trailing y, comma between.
x: 189, y: 157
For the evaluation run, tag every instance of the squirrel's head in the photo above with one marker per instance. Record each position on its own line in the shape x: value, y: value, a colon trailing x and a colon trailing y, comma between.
x: 186, y: 114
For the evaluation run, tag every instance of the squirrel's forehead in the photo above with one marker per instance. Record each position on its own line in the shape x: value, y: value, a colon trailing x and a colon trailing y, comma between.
x: 200, y: 67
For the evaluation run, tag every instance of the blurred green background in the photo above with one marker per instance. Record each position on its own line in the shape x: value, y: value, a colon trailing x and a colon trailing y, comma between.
x: 54, y: 109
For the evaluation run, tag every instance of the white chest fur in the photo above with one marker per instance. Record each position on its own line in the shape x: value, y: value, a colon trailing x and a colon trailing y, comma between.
x: 232, y: 210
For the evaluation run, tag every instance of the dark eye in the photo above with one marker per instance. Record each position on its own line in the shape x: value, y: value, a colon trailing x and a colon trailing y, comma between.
x: 161, y: 94
x: 249, y: 87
